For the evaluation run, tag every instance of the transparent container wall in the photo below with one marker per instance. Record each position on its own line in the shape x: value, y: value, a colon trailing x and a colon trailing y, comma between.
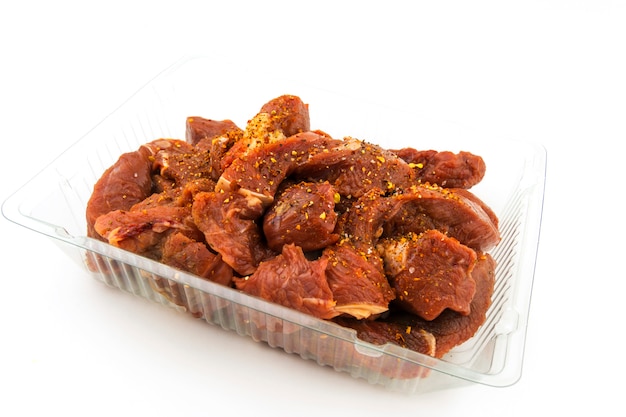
x: 53, y: 203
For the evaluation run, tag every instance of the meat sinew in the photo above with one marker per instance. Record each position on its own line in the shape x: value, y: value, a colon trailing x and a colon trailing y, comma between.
x: 390, y: 243
x: 260, y: 171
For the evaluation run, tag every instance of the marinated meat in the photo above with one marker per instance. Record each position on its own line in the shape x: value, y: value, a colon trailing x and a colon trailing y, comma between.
x: 357, y: 281
x: 179, y: 163
x: 426, y: 207
x: 287, y: 113
x: 355, y: 167
x: 260, y: 171
x: 452, y: 329
x: 214, y: 138
x: 176, y: 197
x: 449, y: 329
x: 191, y: 256
x: 355, y: 270
x: 446, y: 169
x: 144, y: 231
x: 124, y: 184
x: 388, y: 242
x: 429, y: 273
x: 303, y: 214
x: 199, y: 129
x: 291, y: 280
x: 228, y: 221
x: 278, y: 119
x: 362, y: 223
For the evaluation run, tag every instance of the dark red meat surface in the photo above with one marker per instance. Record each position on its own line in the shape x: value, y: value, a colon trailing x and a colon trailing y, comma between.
x: 215, y: 138
x: 304, y: 215
x: 426, y: 207
x: 192, y: 256
x: 357, y: 280
x: 430, y: 272
x: 446, y: 169
x: 228, y: 221
x: 125, y: 183
x: 355, y: 167
x: 291, y: 280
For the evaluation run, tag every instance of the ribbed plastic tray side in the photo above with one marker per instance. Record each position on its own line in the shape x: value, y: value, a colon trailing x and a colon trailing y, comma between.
x: 343, y: 354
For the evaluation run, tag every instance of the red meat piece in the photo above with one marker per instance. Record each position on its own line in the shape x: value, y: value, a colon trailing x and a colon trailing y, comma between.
x: 303, y: 214
x: 357, y: 280
x: 446, y: 169
x: 291, y: 280
x: 127, y: 182
x: 449, y: 329
x: 213, y: 137
x: 429, y: 273
x: 228, y: 221
x: 426, y: 207
x: 191, y: 256
x: 143, y: 231
x: 260, y: 171
x: 355, y: 167
x: 198, y: 129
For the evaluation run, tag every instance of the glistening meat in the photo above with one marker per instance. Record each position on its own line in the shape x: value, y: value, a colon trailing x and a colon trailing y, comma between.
x: 391, y: 243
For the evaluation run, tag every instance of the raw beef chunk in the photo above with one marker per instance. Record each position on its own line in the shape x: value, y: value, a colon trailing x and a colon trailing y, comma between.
x: 446, y: 169
x: 179, y: 163
x: 125, y: 183
x: 357, y: 281
x: 303, y: 214
x: 380, y: 332
x: 228, y: 221
x: 288, y: 114
x: 144, y: 231
x: 429, y: 273
x: 355, y: 167
x: 291, y: 280
x: 426, y: 207
x: 189, y: 255
x: 215, y: 138
x: 199, y: 129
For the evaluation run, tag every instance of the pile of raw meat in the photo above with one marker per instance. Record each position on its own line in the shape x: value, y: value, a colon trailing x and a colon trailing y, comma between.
x: 389, y: 242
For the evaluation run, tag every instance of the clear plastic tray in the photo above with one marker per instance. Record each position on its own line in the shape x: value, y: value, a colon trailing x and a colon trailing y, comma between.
x: 53, y: 203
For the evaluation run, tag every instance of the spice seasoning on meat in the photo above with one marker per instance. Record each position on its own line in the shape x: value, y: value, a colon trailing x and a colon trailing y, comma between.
x: 390, y: 242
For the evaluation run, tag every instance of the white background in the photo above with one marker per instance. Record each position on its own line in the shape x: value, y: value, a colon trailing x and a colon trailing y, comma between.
x: 549, y: 71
